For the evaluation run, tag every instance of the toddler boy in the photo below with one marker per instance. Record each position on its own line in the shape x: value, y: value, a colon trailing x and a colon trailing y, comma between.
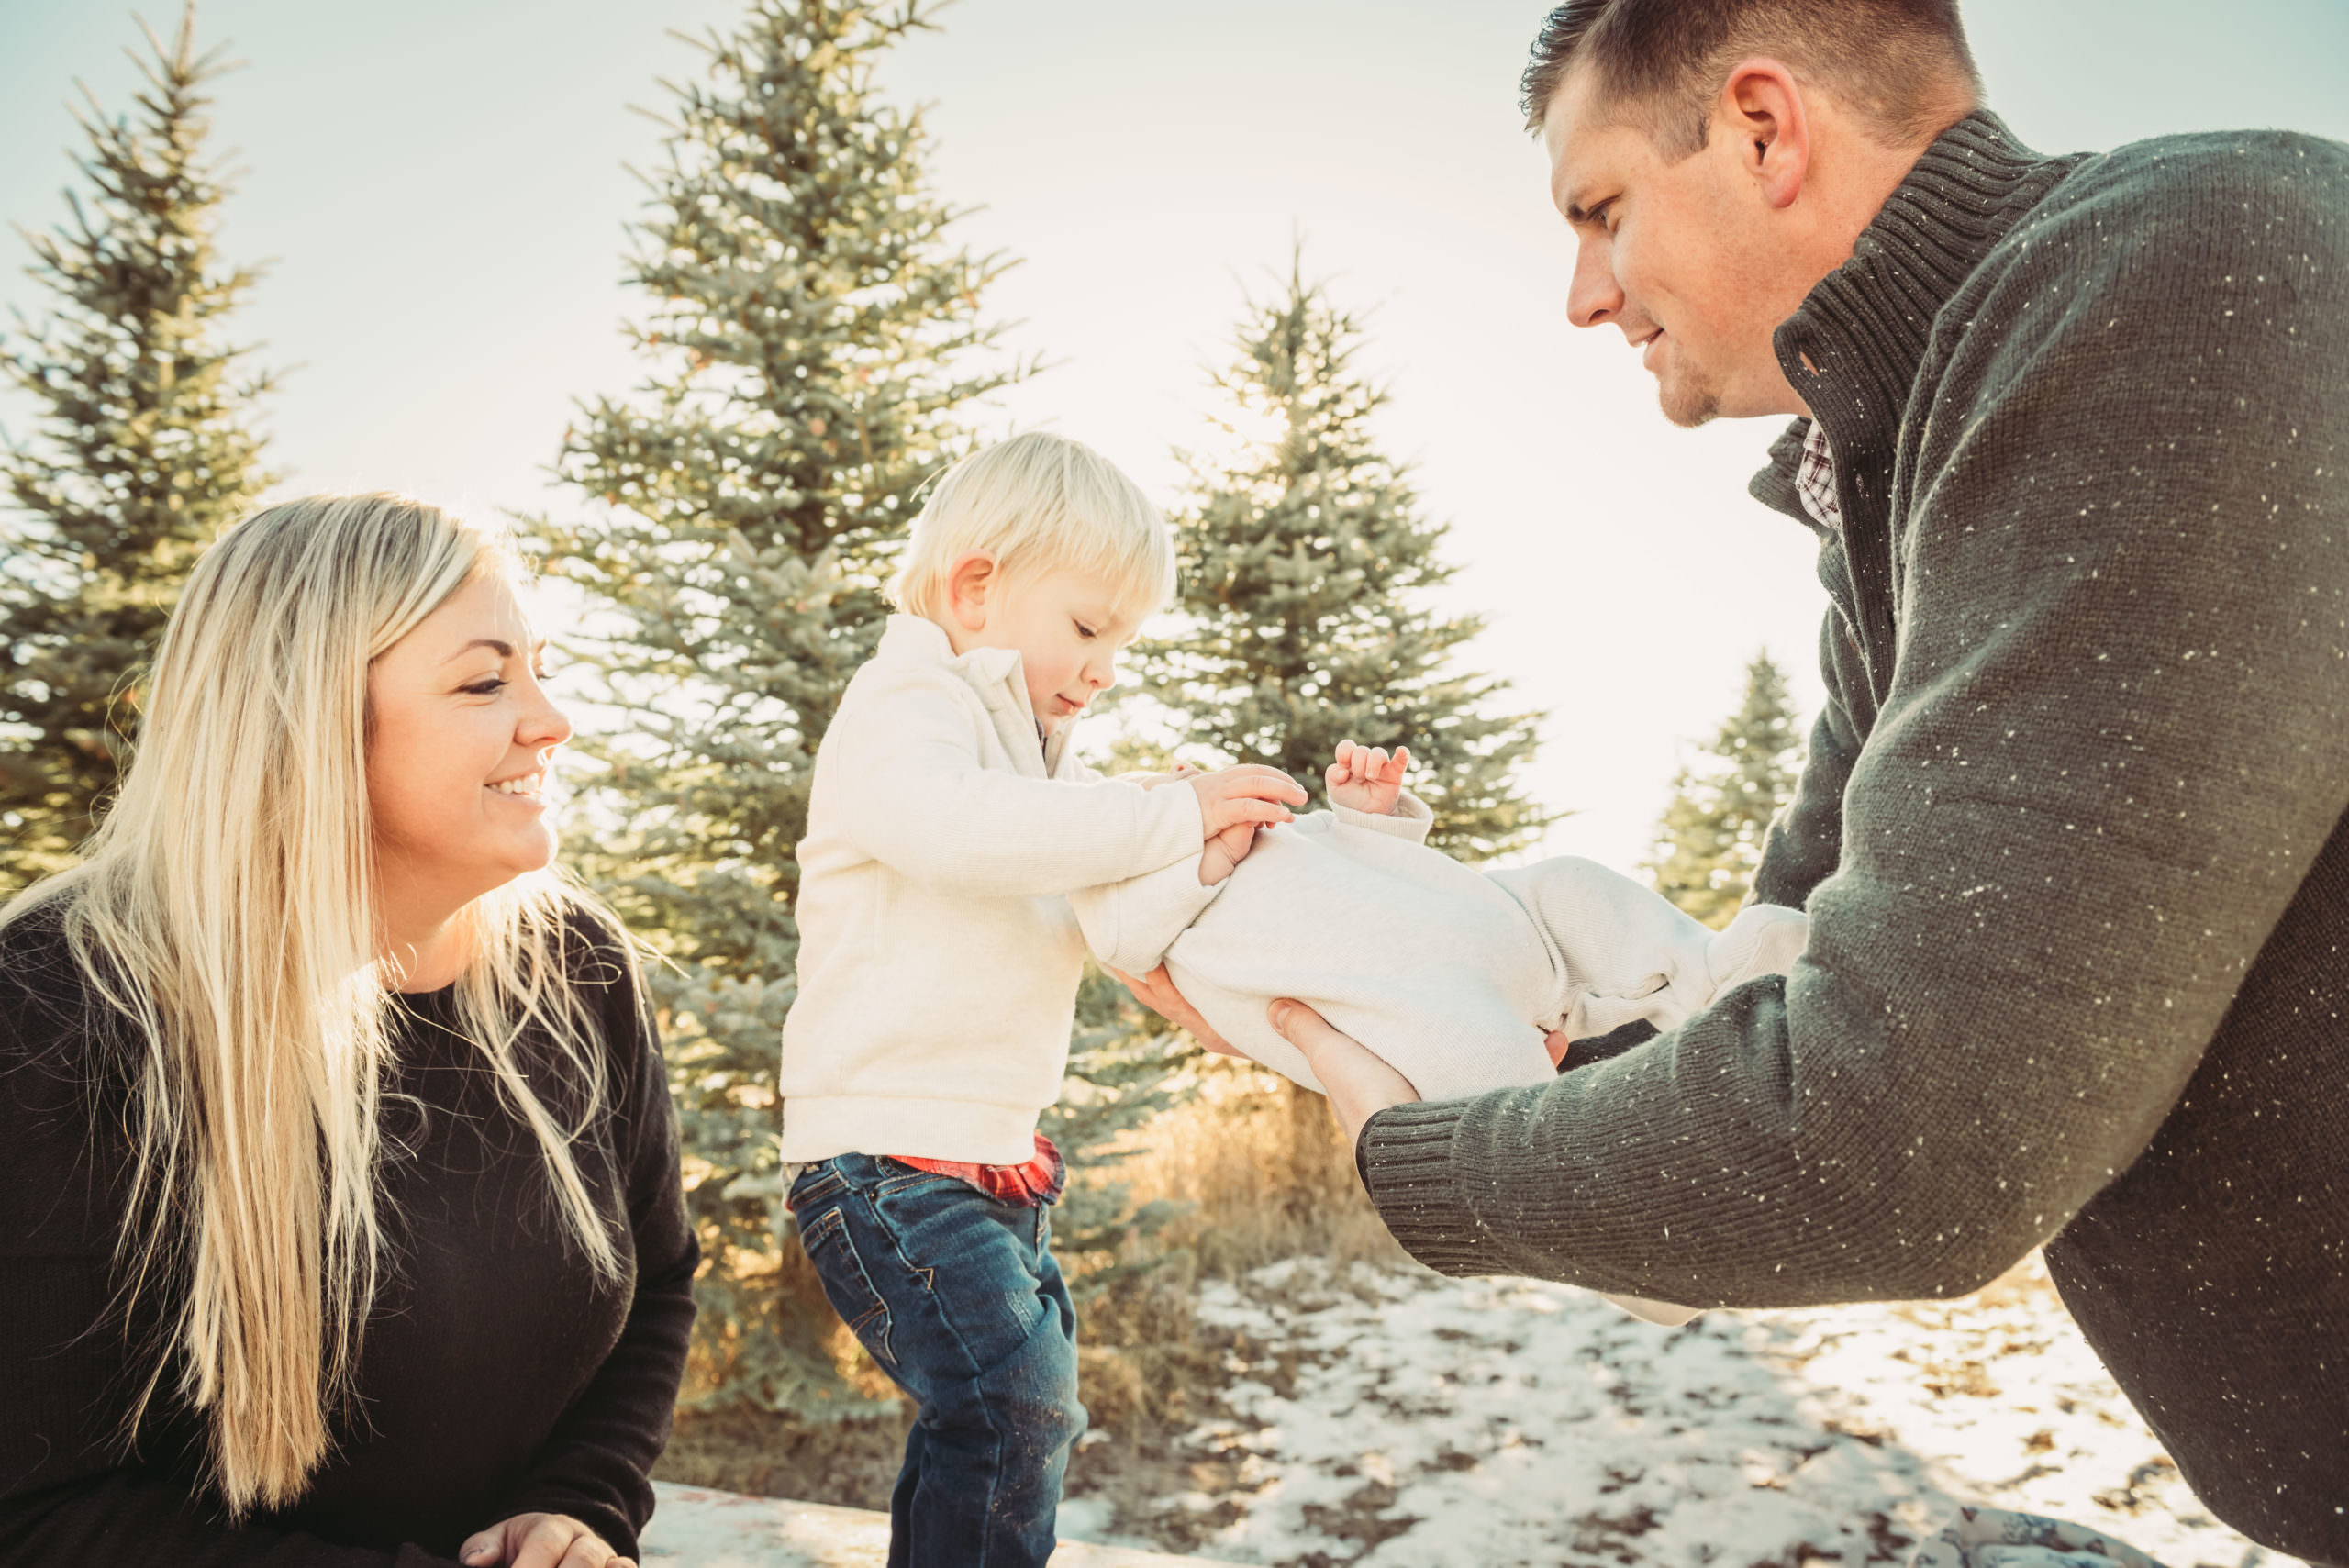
x: 939, y: 962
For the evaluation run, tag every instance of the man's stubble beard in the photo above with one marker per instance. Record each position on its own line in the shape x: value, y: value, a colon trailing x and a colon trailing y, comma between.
x: 1688, y: 400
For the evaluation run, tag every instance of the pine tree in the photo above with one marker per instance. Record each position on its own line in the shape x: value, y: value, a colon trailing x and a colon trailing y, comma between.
x: 812, y: 348
x: 1306, y: 558
x: 1709, y: 841
x: 145, y: 449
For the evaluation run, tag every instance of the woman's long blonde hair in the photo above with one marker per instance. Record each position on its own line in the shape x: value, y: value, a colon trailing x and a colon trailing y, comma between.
x: 225, y: 911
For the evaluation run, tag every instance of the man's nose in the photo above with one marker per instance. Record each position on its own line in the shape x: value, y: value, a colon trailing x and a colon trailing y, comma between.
x: 1593, y: 297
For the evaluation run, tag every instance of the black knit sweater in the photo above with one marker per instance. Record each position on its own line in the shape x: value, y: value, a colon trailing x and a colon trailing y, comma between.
x: 498, y: 1376
x: 2071, y: 832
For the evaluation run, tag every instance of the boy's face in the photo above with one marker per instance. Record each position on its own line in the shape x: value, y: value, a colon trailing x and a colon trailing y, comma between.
x: 1068, y: 627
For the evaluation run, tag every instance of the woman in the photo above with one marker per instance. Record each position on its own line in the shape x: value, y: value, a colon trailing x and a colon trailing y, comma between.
x: 340, y: 1211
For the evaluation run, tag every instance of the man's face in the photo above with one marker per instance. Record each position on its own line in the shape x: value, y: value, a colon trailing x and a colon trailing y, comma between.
x: 1679, y: 256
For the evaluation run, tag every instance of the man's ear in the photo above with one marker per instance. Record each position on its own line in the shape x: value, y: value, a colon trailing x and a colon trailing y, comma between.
x: 1762, y: 106
x: 968, y: 583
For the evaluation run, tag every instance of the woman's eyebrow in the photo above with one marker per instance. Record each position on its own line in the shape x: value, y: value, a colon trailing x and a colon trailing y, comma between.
x: 504, y: 650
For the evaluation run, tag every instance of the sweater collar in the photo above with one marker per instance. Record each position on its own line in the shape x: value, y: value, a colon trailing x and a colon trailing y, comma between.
x: 918, y: 639
x: 1853, y: 347
x: 993, y: 672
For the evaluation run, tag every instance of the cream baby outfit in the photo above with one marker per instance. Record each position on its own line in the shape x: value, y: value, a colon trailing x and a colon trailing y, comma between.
x: 1452, y: 977
x: 939, y: 957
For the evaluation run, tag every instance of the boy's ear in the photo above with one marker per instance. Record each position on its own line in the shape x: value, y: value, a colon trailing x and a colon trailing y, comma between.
x: 968, y: 583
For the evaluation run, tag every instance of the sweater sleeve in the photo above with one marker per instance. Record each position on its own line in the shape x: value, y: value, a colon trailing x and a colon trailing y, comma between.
x: 597, y: 1464
x: 65, y: 1494
x: 913, y: 793
x: 1129, y: 925
x: 2117, y: 736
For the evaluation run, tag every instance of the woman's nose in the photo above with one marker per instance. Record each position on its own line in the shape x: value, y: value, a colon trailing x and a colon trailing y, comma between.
x: 544, y: 725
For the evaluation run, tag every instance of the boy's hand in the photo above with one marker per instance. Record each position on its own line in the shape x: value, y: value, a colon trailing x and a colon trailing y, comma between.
x: 1249, y: 795
x: 1364, y: 778
x: 1224, y: 851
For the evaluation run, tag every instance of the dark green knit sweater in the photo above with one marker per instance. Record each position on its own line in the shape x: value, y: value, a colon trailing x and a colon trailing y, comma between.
x: 2071, y: 835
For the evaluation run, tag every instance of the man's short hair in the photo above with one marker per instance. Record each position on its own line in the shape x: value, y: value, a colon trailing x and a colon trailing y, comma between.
x: 1899, y: 65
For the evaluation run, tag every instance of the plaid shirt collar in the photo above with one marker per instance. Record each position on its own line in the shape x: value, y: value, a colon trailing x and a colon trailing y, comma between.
x: 1815, y: 480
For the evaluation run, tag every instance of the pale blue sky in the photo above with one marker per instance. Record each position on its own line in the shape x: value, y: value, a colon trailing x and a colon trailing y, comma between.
x: 440, y: 186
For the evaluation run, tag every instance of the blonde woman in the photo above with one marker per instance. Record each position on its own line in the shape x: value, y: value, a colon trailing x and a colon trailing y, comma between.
x: 340, y: 1213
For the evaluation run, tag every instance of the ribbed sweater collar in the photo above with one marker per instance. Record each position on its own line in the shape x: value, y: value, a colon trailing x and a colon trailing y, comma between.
x: 1863, y: 327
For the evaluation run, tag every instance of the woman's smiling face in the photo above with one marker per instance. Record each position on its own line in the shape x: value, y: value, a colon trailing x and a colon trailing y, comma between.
x: 460, y: 736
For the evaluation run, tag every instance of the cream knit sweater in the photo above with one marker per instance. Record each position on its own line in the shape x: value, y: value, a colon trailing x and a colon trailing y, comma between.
x: 938, y: 956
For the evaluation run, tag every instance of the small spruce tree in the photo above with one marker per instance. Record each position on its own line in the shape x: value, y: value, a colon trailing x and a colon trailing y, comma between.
x: 811, y: 350
x: 145, y: 447
x: 1709, y: 842
x: 1306, y: 558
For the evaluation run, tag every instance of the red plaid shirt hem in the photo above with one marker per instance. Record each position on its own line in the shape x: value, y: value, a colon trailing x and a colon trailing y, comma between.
x: 1039, y: 1181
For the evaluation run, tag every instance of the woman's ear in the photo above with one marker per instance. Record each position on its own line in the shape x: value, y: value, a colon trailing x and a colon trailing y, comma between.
x: 968, y: 584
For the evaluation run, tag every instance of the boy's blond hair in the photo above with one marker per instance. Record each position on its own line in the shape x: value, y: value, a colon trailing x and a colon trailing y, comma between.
x: 1039, y: 503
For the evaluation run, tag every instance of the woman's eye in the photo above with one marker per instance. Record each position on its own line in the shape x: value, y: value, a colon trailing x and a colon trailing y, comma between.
x: 488, y: 688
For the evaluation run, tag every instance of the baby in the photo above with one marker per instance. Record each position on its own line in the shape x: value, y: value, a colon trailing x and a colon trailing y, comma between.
x: 1461, y: 981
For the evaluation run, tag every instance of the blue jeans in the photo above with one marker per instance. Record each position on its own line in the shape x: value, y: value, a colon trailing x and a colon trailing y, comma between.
x: 958, y: 1297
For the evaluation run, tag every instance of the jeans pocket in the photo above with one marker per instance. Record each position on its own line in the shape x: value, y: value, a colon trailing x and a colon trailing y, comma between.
x: 846, y: 1285
x: 815, y: 1184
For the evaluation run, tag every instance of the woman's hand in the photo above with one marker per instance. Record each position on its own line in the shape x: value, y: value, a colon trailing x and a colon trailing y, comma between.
x: 541, y: 1541
x: 1156, y: 991
x: 1359, y: 1084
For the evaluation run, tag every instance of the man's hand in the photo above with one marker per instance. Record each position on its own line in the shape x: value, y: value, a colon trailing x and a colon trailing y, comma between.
x: 1156, y: 991
x: 1359, y: 1084
x: 1249, y: 795
x: 541, y: 1541
x: 1364, y: 778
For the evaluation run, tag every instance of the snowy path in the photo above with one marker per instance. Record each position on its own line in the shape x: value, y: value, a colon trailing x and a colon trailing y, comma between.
x: 1399, y: 1420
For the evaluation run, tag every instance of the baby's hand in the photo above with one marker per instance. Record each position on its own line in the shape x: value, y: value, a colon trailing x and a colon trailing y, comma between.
x: 1224, y: 852
x: 1248, y: 795
x: 1364, y: 778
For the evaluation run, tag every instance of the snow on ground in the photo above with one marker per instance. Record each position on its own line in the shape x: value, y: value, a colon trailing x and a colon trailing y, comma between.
x: 1395, y: 1419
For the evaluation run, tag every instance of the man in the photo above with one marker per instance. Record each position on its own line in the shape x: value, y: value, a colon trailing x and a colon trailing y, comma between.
x: 2074, y: 436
